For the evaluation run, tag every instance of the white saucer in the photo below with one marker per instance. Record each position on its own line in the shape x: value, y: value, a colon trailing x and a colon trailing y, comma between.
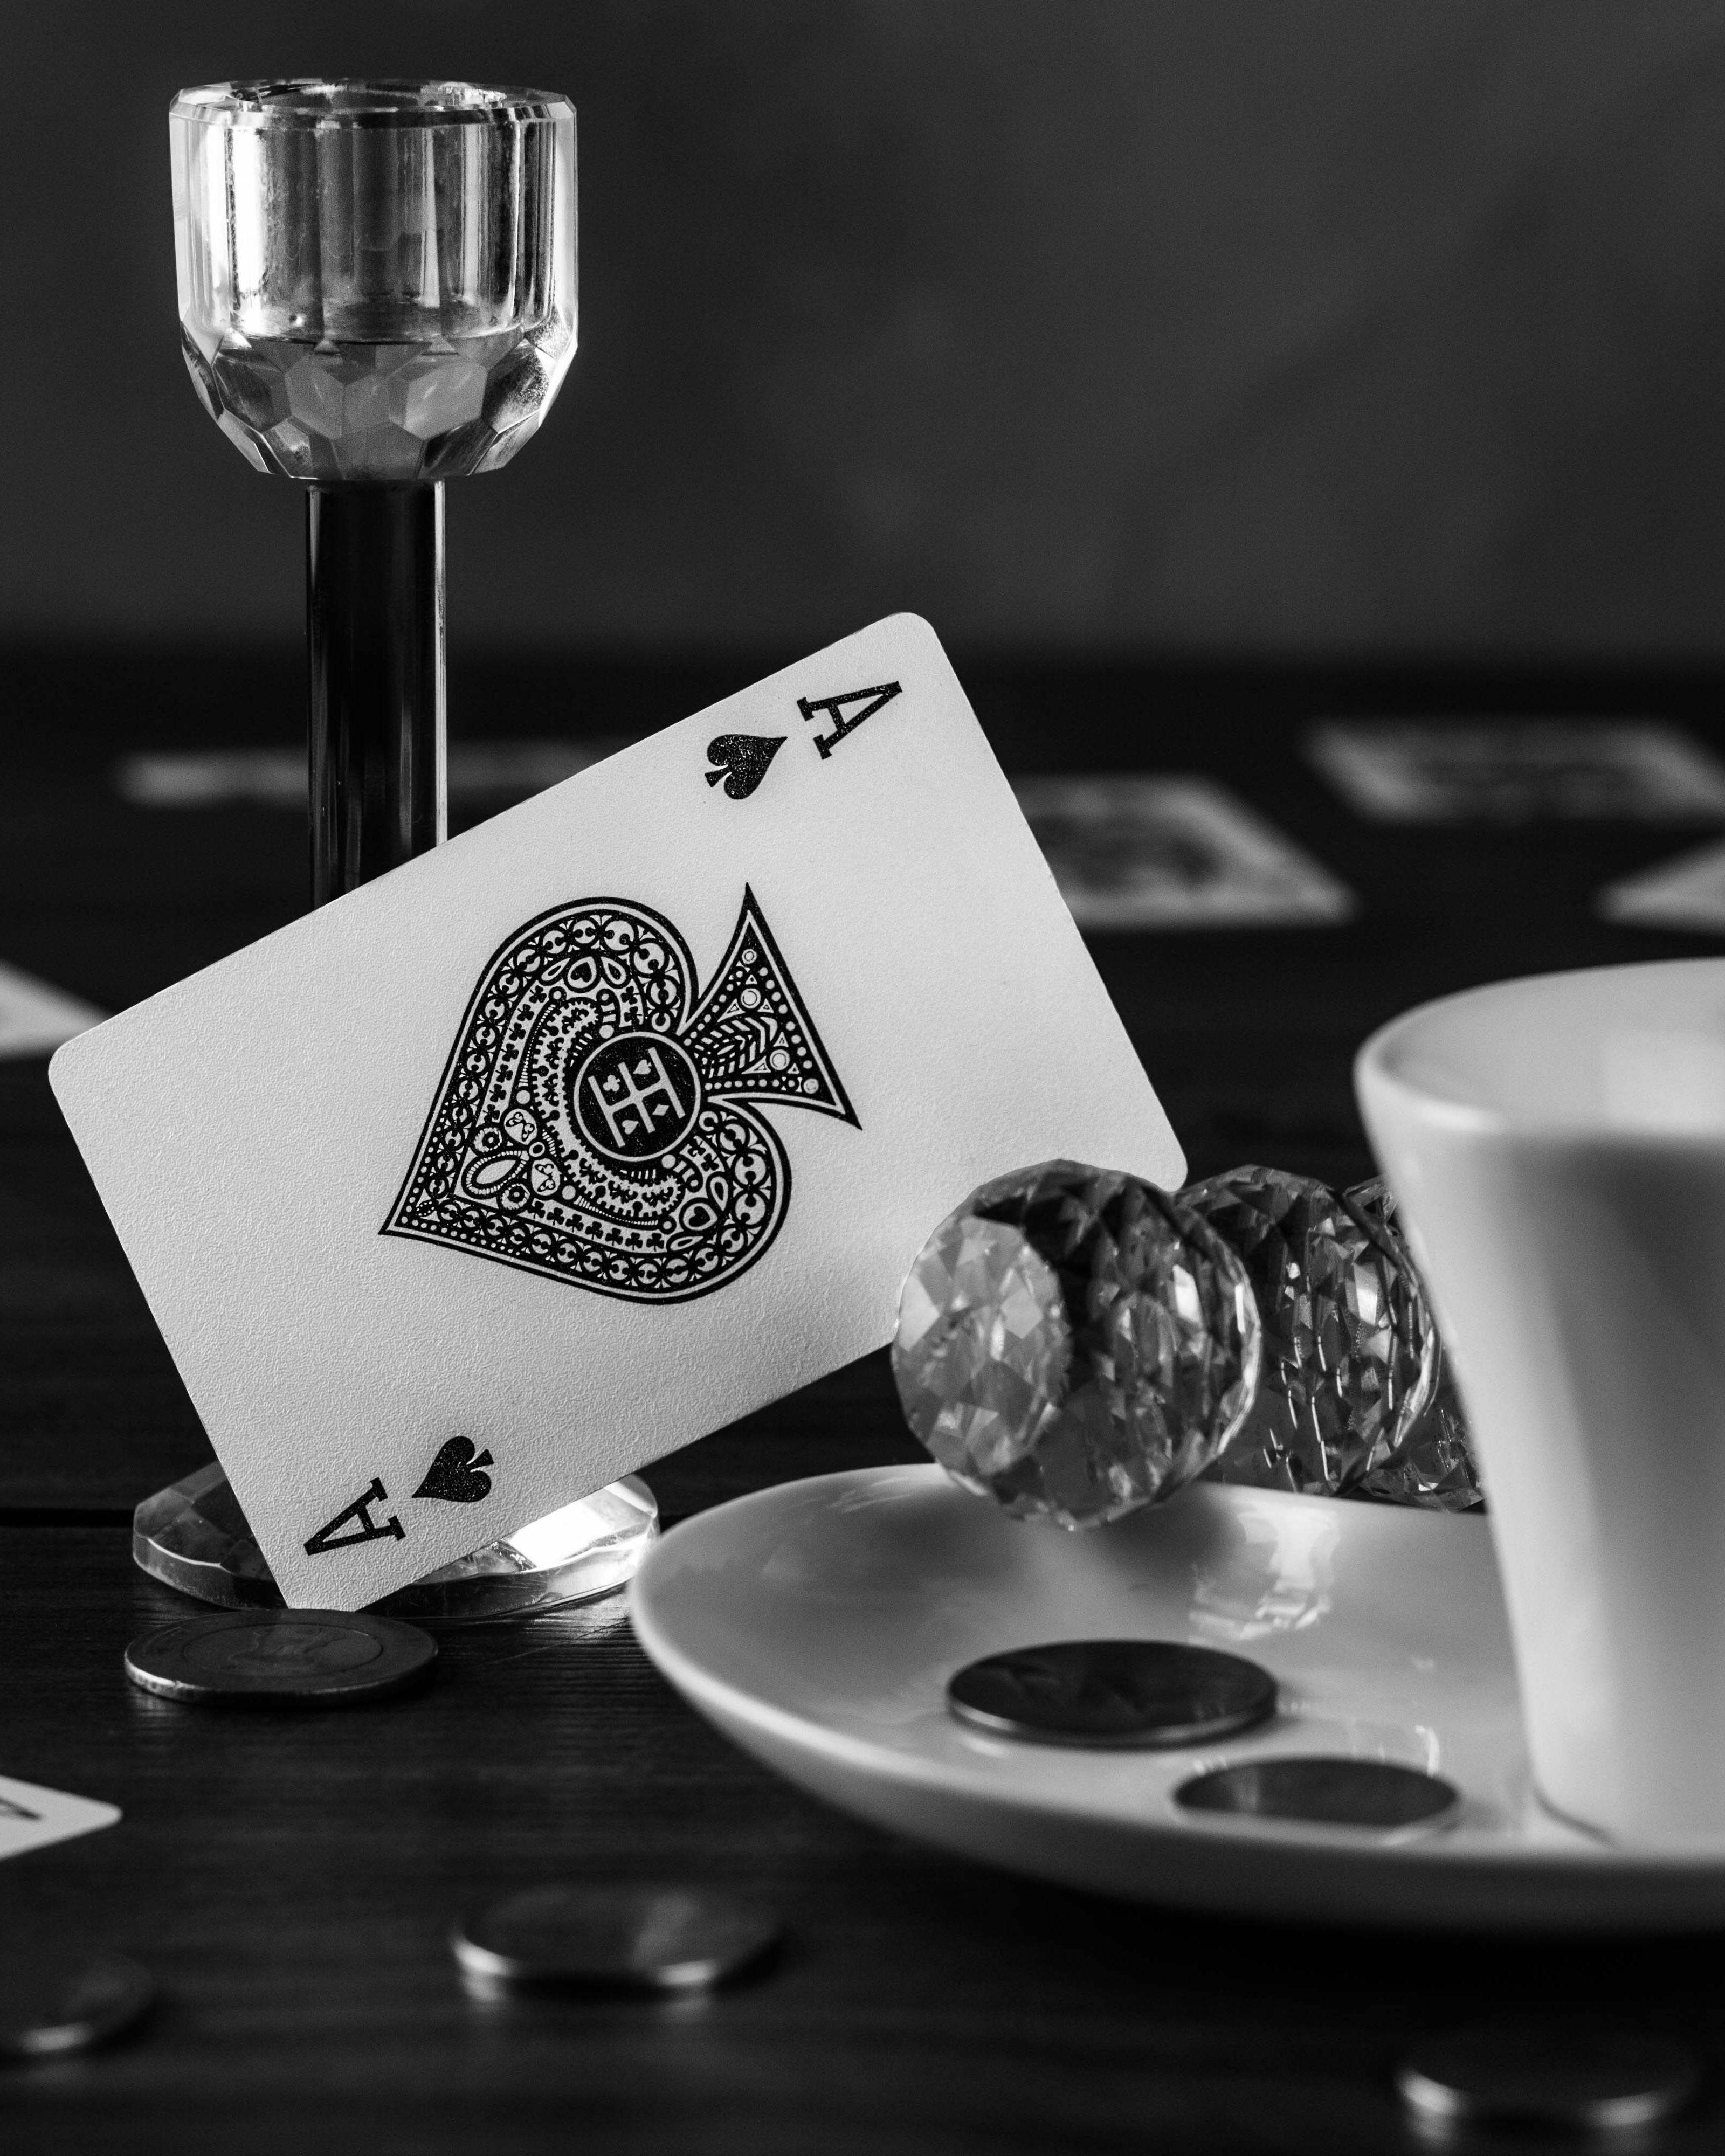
x: 816, y: 1624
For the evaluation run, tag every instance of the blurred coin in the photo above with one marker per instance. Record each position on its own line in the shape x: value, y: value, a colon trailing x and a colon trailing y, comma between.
x: 615, y: 1937
x: 1112, y: 1693
x: 1325, y: 1791
x: 1545, y: 2072
x: 51, y: 2003
x: 331, y: 1656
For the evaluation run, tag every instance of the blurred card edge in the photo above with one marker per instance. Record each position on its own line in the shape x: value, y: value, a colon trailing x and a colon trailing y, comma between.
x: 36, y: 1017
x: 87, y: 1816
x: 1688, y: 893
x: 1277, y: 883
x: 1372, y: 764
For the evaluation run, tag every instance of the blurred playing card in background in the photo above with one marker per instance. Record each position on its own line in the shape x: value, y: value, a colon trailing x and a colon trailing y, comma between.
x: 1134, y: 852
x: 1514, y: 771
x: 1687, y: 893
x: 31, y: 1815
x: 488, y: 772
x: 35, y: 1018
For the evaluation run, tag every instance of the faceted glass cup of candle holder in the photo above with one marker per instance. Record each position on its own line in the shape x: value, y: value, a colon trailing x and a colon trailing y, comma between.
x: 376, y: 280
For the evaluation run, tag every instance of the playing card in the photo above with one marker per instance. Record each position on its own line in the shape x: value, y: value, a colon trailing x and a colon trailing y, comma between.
x: 1687, y: 893
x: 1130, y: 851
x: 35, y: 1018
x: 605, y: 1123
x: 31, y: 1815
x: 1514, y: 771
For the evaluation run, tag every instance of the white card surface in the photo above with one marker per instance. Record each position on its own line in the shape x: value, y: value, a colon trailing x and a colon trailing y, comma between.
x: 1131, y: 851
x: 32, y: 1816
x: 1687, y: 893
x: 36, y: 1017
x: 1517, y: 771
x: 607, y: 1122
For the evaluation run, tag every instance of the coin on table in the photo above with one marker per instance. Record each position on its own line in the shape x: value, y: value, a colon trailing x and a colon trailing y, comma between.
x: 329, y: 1656
x: 1547, y: 2073
x: 1319, y: 1791
x: 51, y: 2004
x: 1112, y: 1693
x: 615, y: 1937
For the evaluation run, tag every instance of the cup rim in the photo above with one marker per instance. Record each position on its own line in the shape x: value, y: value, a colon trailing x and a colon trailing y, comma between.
x: 1376, y: 1069
x: 321, y: 103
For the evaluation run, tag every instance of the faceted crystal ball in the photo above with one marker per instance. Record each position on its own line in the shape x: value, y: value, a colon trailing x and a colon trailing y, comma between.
x: 1350, y: 1351
x: 1434, y: 1465
x: 1073, y: 1344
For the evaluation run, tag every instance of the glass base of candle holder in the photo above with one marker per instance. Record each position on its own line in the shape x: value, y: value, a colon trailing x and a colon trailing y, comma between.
x: 192, y: 1536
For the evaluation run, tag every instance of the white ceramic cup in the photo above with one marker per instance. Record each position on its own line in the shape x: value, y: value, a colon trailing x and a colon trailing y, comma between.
x: 1558, y: 1148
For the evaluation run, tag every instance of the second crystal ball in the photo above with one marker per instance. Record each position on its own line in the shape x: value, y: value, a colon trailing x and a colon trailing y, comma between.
x: 1073, y: 1343
x: 1350, y: 1351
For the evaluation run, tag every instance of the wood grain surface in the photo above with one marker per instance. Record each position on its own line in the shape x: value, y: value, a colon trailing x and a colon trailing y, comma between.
x: 290, y: 1879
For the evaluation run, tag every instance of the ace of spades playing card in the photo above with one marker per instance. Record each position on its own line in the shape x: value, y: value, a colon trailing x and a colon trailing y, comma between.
x: 604, y: 1123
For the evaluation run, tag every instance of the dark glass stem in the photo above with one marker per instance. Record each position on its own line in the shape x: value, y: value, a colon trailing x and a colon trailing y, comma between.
x: 374, y: 633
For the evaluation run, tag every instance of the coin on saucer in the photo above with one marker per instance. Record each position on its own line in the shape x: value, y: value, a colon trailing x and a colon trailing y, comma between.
x: 1112, y: 1694
x: 1319, y: 1790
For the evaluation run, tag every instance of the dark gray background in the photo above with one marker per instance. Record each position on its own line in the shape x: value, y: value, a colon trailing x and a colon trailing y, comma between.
x: 1078, y: 324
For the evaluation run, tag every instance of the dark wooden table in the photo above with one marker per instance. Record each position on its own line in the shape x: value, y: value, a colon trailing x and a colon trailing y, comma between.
x: 292, y: 1879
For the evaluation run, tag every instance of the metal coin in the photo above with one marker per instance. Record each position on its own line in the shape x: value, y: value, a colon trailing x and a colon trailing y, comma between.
x: 1112, y: 1693
x: 50, y: 2004
x: 615, y: 1937
x: 326, y: 1655
x: 1325, y: 1791
x: 1547, y: 2073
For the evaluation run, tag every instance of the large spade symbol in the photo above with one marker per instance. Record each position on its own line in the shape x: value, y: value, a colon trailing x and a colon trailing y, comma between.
x: 598, y: 1120
x: 454, y: 1474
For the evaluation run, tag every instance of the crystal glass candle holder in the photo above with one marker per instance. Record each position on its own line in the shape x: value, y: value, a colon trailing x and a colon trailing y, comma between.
x: 377, y: 280
x: 376, y: 294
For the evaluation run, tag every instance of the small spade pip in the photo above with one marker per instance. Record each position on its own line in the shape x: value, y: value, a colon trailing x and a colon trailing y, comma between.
x: 455, y: 1476
x: 742, y: 760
